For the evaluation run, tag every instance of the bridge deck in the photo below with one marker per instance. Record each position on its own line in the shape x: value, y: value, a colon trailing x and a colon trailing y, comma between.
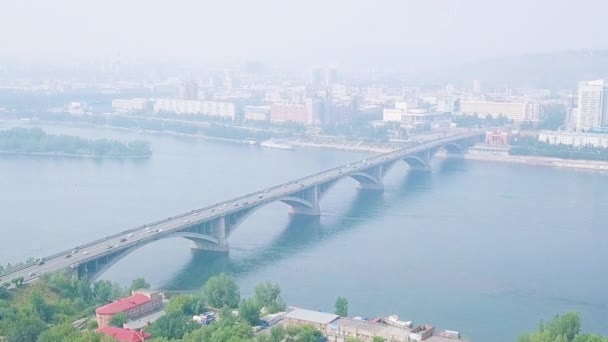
x: 130, y: 238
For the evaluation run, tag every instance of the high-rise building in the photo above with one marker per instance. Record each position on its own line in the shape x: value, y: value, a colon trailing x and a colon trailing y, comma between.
x: 331, y: 76
x: 592, y: 105
x: 188, y: 91
x: 477, y: 86
x: 315, y: 77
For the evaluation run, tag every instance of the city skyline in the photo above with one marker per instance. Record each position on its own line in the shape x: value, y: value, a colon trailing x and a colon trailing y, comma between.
x: 420, y: 33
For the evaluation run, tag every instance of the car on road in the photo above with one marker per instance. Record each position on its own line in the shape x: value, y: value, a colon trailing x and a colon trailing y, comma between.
x: 31, y: 274
x: 245, y: 202
x: 68, y: 256
x: 236, y: 204
x: 224, y: 205
x: 159, y: 230
x: 186, y: 221
x: 130, y: 235
x: 212, y: 210
x: 260, y: 196
x: 85, y: 252
x: 73, y: 266
x: 123, y: 240
x: 266, y: 191
x: 109, y: 247
x: 40, y: 262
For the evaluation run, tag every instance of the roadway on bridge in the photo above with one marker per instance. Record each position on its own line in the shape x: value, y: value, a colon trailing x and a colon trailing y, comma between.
x: 71, y: 258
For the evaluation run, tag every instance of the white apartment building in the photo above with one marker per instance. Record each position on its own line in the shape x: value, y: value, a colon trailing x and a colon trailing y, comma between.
x: 210, y: 108
x: 392, y: 114
x: 517, y: 111
x: 574, y: 138
x: 592, y: 105
x: 132, y: 105
x: 257, y: 113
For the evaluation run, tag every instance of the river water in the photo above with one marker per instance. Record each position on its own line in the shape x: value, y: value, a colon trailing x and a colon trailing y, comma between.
x: 487, y: 249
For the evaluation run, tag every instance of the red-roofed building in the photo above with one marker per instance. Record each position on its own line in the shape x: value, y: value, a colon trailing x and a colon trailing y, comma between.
x: 138, y: 304
x: 124, y: 335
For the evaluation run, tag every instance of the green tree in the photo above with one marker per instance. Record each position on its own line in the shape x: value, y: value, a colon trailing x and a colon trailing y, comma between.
x: 305, y: 333
x: 39, y: 306
x: 92, y: 324
x: 4, y: 293
x: 341, y: 307
x: 268, y: 296
x: 378, y: 339
x: 564, y: 328
x: 119, y: 319
x: 23, y: 328
x: 172, y: 326
x: 138, y: 284
x: 60, y: 332
x: 222, y: 291
x: 185, y: 304
x: 353, y: 339
x: 249, y: 310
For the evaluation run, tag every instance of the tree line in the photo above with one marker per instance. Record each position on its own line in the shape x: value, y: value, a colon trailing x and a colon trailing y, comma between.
x: 35, y: 140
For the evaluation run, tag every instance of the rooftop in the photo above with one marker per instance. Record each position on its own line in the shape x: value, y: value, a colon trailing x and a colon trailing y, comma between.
x: 311, y: 316
x: 123, y: 304
x: 124, y: 335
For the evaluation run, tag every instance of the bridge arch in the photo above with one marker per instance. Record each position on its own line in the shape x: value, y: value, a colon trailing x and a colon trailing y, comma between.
x: 104, y: 262
x: 415, y: 162
x: 453, y: 147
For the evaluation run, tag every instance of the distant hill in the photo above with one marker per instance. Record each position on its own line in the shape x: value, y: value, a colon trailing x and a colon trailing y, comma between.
x: 560, y: 70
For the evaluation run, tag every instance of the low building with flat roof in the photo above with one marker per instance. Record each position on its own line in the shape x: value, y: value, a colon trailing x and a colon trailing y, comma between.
x: 318, y: 319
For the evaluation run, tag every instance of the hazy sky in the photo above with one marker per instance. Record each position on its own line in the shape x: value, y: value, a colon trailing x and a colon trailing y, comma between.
x: 296, y: 30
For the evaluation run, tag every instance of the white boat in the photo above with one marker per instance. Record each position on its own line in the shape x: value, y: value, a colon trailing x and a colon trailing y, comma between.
x: 394, y: 321
x: 274, y: 144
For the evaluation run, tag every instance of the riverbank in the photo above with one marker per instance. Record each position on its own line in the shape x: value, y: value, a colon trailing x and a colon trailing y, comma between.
x: 68, y: 155
x: 590, y: 165
x: 353, y: 148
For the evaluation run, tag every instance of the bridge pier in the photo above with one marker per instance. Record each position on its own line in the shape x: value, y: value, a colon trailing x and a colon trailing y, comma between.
x: 379, y: 186
x: 208, y: 246
x: 305, y: 211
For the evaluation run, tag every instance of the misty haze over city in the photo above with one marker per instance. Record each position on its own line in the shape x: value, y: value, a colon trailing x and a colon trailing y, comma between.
x: 275, y: 171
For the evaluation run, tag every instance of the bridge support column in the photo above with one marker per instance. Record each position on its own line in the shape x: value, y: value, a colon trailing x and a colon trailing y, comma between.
x: 426, y: 158
x: 312, y: 197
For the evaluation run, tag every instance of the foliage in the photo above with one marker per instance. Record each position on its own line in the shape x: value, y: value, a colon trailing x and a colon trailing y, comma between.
x: 222, y: 291
x: 186, y: 304
x: 138, y: 284
x: 35, y: 140
x: 92, y: 324
x: 378, y: 339
x: 341, y: 307
x: 249, y: 310
x: 56, y: 300
x: 556, y: 115
x: 21, y: 327
x: 119, y: 319
x: 4, y: 293
x: 305, y: 333
x: 60, y: 332
x: 564, y: 328
x: 268, y: 296
x: 532, y: 146
x: 228, y: 328
x: 353, y: 339
x: 172, y: 326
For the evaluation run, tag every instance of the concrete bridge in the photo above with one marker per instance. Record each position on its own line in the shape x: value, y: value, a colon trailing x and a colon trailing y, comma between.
x: 209, y: 228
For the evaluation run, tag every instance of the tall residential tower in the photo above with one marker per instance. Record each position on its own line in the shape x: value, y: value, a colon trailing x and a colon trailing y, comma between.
x: 592, y: 105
